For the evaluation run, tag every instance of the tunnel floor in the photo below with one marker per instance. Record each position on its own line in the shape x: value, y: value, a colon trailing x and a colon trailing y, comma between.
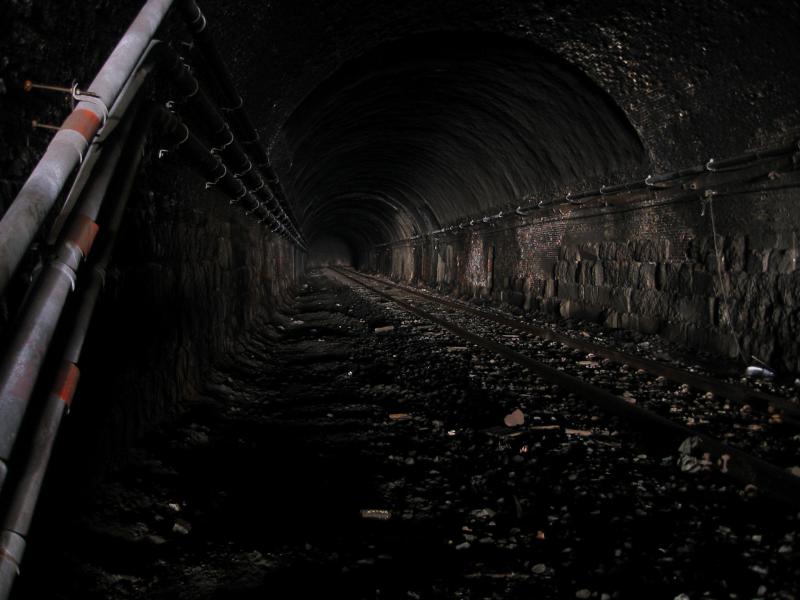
x: 357, y: 452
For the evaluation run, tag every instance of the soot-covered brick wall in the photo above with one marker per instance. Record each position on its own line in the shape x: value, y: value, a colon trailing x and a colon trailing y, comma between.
x: 650, y: 265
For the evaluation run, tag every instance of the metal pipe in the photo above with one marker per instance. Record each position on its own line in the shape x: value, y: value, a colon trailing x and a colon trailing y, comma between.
x: 730, y: 164
x: 211, y: 167
x: 241, y: 121
x: 23, y: 358
x: 12, y: 546
x: 148, y: 62
x: 663, y: 180
x: 202, y: 113
x: 66, y: 150
x: 17, y: 519
x: 666, y: 179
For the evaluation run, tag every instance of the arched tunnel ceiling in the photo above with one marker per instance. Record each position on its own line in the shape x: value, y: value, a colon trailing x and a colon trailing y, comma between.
x: 427, y: 130
x: 676, y: 69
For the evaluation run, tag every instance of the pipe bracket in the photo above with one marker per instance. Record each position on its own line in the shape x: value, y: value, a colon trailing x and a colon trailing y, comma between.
x: 210, y: 184
x: 67, y: 271
x: 239, y: 105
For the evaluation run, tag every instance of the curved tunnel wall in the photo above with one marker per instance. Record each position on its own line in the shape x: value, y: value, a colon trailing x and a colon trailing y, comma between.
x: 421, y: 132
x: 437, y: 129
x: 426, y: 153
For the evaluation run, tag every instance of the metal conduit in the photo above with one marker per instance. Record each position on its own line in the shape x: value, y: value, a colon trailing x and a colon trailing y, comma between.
x: 240, y: 119
x: 33, y: 332
x: 44, y: 303
x: 17, y: 519
x: 203, y: 114
x: 67, y: 148
x: 128, y: 94
x: 117, y: 84
x: 212, y: 168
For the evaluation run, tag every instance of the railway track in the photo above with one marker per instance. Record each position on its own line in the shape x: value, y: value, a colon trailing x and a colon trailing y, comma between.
x: 758, y: 400
x: 542, y: 352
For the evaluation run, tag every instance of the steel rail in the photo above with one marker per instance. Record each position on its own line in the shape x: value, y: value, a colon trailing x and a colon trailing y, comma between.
x: 758, y: 400
x: 740, y: 466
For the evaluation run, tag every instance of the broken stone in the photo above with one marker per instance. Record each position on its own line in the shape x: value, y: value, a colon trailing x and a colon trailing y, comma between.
x: 539, y: 569
x: 686, y: 461
x: 156, y: 540
x: 181, y: 527
x: 483, y: 513
x: 514, y: 419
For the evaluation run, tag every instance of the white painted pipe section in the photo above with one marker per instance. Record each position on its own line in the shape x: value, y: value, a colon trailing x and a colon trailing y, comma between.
x: 67, y: 148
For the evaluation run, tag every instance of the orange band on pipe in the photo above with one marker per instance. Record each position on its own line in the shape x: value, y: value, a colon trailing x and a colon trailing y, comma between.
x: 82, y: 232
x: 66, y: 382
x: 83, y: 121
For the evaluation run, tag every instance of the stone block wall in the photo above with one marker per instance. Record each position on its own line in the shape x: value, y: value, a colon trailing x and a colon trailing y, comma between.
x: 652, y: 265
x: 191, y: 275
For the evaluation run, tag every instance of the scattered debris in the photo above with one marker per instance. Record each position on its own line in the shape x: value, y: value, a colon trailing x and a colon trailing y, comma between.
x: 578, y: 432
x: 384, y: 329
x: 400, y: 416
x: 514, y: 419
x: 723, y: 462
x: 376, y: 514
x: 544, y: 427
x: 483, y: 513
x: 687, y: 461
x: 527, y: 475
x: 759, y: 372
x: 181, y: 527
x: 591, y: 364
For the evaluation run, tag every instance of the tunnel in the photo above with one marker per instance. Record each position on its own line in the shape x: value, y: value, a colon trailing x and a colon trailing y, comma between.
x: 454, y: 300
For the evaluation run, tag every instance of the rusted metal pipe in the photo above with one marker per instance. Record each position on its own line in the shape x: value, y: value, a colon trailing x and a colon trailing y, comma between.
x: 67, y: 148
x: 148, y: 62
x: 25, y: 354
x: 19, y: 515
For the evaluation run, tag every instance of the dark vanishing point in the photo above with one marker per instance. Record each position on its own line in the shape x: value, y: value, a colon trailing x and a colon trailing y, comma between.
x: 448, y: 300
